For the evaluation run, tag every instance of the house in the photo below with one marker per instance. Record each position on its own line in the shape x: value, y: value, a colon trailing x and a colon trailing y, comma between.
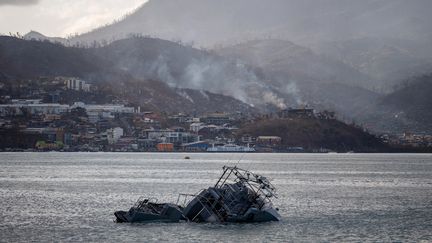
x: 16, y: 109
x: 199, y: 146
x: 268, y: 141
x: 247, y: 139
x: 180, y: 118
x: 195, y: 127
x: 114, y: 134
x: 216, y: 119
x: 165, y: 147
x: 147, y: 144
x: 96, y: 113
x: 169, y: 136
x: 77, y: 85
x: 297, y: 113
x: 126, y: 144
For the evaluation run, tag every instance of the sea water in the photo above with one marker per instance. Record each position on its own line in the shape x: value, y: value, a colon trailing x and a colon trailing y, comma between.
x: 321, y: 197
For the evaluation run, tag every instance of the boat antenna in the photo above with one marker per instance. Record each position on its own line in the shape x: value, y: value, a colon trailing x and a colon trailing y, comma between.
x: 231, y: 158
x: 239, y: 159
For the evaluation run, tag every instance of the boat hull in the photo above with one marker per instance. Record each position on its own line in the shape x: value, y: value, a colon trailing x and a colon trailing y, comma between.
x: 209, y: 207
x: 256, y: 216
x: 168, y: 214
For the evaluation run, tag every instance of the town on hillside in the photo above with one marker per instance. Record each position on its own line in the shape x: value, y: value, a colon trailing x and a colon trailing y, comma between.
x: 49, y: 115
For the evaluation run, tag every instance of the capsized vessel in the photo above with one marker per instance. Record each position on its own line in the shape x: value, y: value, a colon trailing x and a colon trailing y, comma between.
x: 148, y: 210
x: 238, y: 196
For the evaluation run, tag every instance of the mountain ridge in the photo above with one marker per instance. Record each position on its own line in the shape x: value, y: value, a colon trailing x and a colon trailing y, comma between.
x: 42, y: 58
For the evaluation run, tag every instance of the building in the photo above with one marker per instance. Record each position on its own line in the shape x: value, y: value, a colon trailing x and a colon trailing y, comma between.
x: 297, y: 113
x: 51, y: 117
x: 180, y: 118
x: 96, y: 113
x: 112, y: 108
x: 114, y: 134
x: 26, y: 101
x: 47, y: 134
x: 32, y: 108
x: 268, y: 141
x: 147, y: 144
x: 216, y: 119
x: 200, y: 146
x: 247, y: 139
x: 169, y: 136
x: 165, y: 147
x: 126, y: 144
x: 77, y: 85
x: 195, y: 127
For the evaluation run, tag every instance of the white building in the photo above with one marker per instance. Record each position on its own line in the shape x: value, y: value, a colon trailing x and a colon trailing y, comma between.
x: 195, y: 127
x: 105, y: 108
x: 114, y: 134
x: 18, y: 109
x: 98, y: 112
x: 78, y: 85
x: 26, y: 101
x: 170, y: 136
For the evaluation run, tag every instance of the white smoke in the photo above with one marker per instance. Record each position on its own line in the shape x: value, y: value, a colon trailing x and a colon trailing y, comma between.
x: 209, y: 73
x: 185, y: 95
x: 160, y: 70
x: 272, y: 98
x: 218, y: 77
x: 292, y: 90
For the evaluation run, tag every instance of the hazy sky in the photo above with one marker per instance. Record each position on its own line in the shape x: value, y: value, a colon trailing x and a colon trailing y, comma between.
x: 61, y: 17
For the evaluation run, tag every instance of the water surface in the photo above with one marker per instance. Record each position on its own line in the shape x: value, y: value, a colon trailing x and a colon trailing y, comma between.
x: 322, y: 197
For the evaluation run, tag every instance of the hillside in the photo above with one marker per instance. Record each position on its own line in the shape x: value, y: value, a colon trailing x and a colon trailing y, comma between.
x: 296, y: 20
x: 141, y: 58
x: 311, y: 133
x: 22, y: 60
x: 169, y: 76
x: 414, y: 100
x: 288, y: 61
x: 379, y: 39
x: 387, y: 61
x: 34, y: 35
x: 27, y: 59
x: 407, y: 109
x: 186, y: 67
x: 313, y: 79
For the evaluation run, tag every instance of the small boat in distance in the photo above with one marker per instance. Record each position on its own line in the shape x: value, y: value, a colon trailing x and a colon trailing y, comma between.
x: 239, y: 196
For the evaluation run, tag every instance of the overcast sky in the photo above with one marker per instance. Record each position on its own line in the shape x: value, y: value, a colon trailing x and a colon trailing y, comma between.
x: 61, y: 17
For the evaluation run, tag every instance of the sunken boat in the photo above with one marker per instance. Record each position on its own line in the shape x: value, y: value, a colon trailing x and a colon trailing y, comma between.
x: 148, y: 210
x: 238, y: 196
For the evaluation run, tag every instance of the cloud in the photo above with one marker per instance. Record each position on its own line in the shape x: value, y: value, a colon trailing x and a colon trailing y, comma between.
x: 76, y: 16
x: 18, y: 2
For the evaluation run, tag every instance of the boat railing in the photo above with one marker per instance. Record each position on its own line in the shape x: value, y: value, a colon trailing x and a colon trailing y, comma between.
x: 145, y: 202
x: 246, y: 177
x: 202, y: 200
x: 184, y: 198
